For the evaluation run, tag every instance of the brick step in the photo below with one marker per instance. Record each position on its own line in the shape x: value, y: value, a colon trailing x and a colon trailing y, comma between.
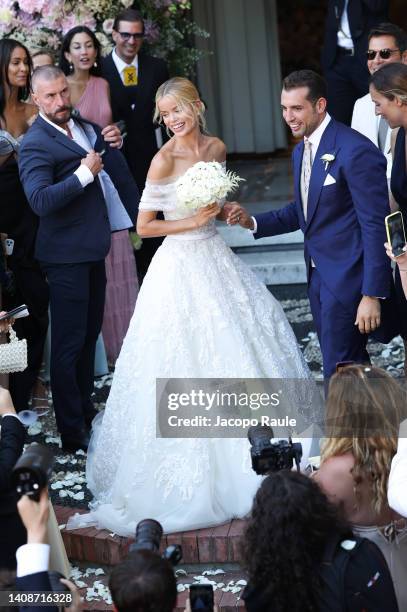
x: 226, y: 600
x: 213, y: 545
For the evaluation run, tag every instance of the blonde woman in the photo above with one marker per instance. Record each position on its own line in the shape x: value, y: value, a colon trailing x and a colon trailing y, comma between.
x: 364, y: 409
x: 201, y: 313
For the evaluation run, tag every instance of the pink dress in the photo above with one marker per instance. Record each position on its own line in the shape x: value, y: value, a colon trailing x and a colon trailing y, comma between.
x: 122, y: 284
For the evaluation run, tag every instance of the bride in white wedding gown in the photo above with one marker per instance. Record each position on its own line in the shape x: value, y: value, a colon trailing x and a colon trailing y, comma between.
x: 200, y: 313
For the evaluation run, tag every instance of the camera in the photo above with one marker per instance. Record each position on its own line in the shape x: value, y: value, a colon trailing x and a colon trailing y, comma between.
x: 32, y: 471
x: 268, y: 456
x: 148, y: 537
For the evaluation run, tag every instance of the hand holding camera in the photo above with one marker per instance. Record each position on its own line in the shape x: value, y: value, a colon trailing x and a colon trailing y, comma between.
x: 35, y: 517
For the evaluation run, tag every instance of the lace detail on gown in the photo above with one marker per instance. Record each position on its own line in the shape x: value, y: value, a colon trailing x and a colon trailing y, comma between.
x: 200, y: 313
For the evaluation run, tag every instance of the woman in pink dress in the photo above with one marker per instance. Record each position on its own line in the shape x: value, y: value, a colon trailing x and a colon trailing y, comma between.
x: 90, y: 95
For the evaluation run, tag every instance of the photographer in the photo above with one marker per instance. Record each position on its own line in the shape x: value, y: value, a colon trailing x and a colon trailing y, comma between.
x: 33, y: 557
x: 12, y: 531
x: 300, y: 556
x: 397, y: 490
x: 144, y: 582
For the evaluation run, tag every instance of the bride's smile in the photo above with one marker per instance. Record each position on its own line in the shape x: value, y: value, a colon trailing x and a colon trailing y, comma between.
x: 179, y: 120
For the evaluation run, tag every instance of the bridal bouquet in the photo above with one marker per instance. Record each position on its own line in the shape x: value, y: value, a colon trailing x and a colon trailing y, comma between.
x: 204, y: 183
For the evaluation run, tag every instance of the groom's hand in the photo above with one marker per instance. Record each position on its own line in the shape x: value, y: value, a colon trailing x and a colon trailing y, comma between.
x: 368, y: 314
x: 237, y: 215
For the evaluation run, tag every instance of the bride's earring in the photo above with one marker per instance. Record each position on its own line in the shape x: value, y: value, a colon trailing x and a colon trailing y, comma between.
x: 95, y: 64
x: 70, y: 67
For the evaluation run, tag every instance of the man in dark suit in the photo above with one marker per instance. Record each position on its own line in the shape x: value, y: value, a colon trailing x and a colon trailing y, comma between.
x: 347, y: 27
x: 66, y: 186
x: 12, y: 530
x: 134, y: 78
x: 340, y: 203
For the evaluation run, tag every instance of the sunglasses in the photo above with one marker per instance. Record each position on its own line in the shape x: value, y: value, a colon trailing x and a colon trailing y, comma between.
x: 128, y: 36
x: 384, y: 53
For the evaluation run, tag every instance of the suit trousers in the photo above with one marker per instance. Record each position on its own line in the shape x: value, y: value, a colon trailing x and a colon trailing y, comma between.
x: 77, y: 299
x: 31, y: 289
x: 339, y: 337
x: 347, y: 80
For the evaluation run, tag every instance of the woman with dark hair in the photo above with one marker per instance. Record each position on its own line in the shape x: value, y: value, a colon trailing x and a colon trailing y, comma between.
x: 294, y: 548
x: 90, y: 95
x: 388, y: 89
x: 16, y: 217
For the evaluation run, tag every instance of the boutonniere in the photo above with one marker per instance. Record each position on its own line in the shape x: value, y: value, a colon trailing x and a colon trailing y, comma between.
x: 328, y: 158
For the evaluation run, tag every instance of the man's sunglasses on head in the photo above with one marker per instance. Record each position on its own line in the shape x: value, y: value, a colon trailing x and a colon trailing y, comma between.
x: 128, y: 36
x: 384, y: 53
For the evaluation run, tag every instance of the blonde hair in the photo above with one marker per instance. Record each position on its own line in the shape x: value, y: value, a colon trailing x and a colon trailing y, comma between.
x: 364, y: 409
x: 186, y: 95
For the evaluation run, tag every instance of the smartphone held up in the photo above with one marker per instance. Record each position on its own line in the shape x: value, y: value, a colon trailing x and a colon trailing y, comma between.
x: 396, y: 236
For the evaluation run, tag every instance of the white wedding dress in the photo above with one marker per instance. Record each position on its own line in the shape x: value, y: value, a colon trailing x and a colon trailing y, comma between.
x: 200, y: 313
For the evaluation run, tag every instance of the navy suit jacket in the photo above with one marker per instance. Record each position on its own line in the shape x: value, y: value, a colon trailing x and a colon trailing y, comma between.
x: 11, y: 447
x: 363, y: 15
x: 74, y: 225
x: 35, y: 582
x: 344, y: 233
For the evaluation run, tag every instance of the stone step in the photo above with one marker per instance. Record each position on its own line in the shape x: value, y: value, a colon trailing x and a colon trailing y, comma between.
x: 277, y: 260
x: 213, y: 545
x: 236, y: 236
x: 276, y: 267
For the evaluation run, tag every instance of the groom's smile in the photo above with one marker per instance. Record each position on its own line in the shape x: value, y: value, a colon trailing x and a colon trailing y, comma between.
x: 301, y: 115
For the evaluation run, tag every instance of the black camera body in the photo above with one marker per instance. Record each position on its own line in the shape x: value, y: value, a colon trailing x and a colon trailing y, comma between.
x: 268, y: 456
x: 32, y: 471
x: 148, y: 537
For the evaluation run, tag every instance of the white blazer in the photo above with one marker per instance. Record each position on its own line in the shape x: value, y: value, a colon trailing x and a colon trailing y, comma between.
x: 366, y: 122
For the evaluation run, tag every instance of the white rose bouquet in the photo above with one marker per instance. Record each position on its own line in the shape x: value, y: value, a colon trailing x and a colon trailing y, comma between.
x: 204, y: 183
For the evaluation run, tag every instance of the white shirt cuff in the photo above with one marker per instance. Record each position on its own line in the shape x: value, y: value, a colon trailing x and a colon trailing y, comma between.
x: 84, y: 175
x: 13, y: 415
x: 32, y: 558
x: 254, y: 230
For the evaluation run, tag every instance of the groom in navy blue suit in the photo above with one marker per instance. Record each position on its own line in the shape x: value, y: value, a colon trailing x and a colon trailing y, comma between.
x: 341, y: 201
x: 61, y: 162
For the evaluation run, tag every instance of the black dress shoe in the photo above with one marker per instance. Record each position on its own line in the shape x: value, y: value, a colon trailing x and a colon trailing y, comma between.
x: 73, y: 443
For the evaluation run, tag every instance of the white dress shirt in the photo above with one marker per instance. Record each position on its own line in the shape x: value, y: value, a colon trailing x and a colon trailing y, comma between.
x: 344, y: 34
x: 32, y: 558
x: 397, y: 489
x: 121, y: 65
x: 83, y: 173
x: 314, y: 139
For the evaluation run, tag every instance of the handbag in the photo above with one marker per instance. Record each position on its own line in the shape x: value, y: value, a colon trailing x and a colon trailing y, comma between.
x: 13, y: 354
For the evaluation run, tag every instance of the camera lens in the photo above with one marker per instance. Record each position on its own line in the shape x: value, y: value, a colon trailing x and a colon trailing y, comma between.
x: 33, y: 470
x: 148, y: 536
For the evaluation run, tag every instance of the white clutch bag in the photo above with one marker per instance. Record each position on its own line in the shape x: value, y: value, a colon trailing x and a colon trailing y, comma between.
x: 13, y: 355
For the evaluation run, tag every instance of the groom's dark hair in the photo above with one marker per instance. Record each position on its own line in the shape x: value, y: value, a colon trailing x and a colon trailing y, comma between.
x: 307, y: 78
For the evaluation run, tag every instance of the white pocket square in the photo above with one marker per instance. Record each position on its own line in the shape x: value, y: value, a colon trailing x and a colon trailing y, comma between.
x: 329, y: 180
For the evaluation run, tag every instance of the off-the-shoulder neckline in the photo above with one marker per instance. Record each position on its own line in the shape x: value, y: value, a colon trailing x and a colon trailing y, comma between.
x: 169, y: 180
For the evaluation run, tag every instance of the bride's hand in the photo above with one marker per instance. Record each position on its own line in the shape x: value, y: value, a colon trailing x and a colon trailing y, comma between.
x: 205, y: 214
